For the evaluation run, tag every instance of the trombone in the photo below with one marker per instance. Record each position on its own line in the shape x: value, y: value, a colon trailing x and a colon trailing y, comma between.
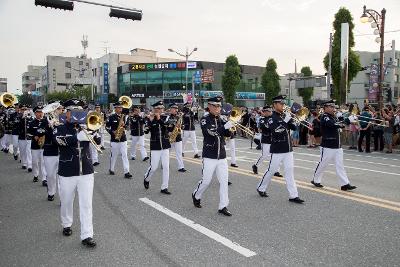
x: 235, y: 116
x: 94, y: 121
x: 299, y: 114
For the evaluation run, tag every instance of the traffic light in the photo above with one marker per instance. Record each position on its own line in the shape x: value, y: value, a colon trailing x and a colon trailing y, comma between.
x: 125, y: 14
x: 57, y: 4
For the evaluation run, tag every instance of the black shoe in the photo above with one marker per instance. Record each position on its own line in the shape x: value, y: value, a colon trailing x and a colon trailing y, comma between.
x: 234, y: 166
x: 96, y: 163
x: 225, y: 212
x: 229, y: 183
x: 360, y: 150
x: 24, y: 167
x: 146, y: 184
x: 165, y: 191
x: 133, y: 158
x: 111, y: 172
x: 258, y: 148
x: 29, y: 169
x: 277, y: 174
x: 255, y: 169
x: 5, y: 150
x: 16, y: 157
x: 35, y: 179
x: 183, y: 154
x: 196, y: 156
x: 196, y: 202
x: 67, y: 231
x: 348, y: 187
x: 146, y: 158
x: 50, y: 197
x: 296, y: 200
x: 317, y: 184
x: 44, y: 183
x: 182, y: 170
x: 128, y: 175
x: 89, y: 242
x: 262, y: 194
x: 102, y: 148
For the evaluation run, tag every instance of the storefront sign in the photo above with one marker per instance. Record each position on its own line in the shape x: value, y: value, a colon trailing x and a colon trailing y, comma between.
x: 106, y: 86
x: 239, y: 95
x: 176, y: 94
x: 207, y: 76
x: 162, y: 66
x: 208, y: 94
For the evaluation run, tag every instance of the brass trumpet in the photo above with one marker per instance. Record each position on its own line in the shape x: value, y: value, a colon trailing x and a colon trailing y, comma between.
x: 299, y: 114
x: 94, y: 121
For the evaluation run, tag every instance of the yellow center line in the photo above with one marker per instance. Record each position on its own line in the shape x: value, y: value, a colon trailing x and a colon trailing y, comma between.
x: 373, y: 201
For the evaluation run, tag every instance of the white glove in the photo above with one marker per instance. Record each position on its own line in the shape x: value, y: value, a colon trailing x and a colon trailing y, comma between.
x: 82, y: 136
x: 288, y: 117
x: 228, y: 125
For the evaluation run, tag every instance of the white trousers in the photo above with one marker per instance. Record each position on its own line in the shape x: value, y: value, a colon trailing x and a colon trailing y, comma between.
x: 274, y: 163
x: 94, y: 153
x: 7, y: 141
x: 119, y: 148
x: 232, y: 147
x: 264, y: 154
x: 220, y: 166
x: 138, y: 140
x: 38, y: 164
x: 15, y: 145
x: 334, y: 155
x: 51, y: 167
x: 177, y: 147
x: 25, y: 152
x: 155, y: 157
x: 192, y: 136
x: 84, y: 185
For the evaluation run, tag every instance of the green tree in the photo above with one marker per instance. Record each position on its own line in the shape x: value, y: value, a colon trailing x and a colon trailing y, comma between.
x: 306, y: 93
x: 60, y: 95
x: 270, y: 81
x: 342, y: 16
x: 230, y: 78
x: 25, y: 99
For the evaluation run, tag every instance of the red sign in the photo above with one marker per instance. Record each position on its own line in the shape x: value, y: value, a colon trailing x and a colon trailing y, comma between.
x: 207, y: 76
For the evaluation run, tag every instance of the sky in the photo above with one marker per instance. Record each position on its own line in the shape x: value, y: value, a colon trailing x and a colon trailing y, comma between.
x: 253, y: 30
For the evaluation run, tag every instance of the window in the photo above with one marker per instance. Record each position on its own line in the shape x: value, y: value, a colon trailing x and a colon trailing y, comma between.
x: 154, y: 77
x: 68, y: 64
x: 87, y: 64
x: 101, y: 71
x: 67, y: 75
x: 397, y: 78
x: 80, y: 63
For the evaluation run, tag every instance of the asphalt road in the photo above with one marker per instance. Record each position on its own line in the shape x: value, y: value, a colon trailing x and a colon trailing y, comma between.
x: 135, y: 227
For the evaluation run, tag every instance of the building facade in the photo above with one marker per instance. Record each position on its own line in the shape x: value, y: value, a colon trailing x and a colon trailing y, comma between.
x: 104, y: 69
x: 151, y: 82
x: 3, y: 85
x: 362, y: 86
x: 31, y: 78
x: 61, y: 73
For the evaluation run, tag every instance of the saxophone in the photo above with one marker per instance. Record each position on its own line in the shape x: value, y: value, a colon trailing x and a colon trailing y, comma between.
x: 177, y: 130
x: 120, y: 130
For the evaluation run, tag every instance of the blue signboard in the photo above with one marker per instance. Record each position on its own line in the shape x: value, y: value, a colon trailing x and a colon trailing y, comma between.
x: 197, y: 76
x: 106, y: 86
x: 238, y: 95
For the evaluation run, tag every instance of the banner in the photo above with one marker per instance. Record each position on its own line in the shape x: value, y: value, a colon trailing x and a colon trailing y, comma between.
x: 106, y: 86
x: 373, y: 82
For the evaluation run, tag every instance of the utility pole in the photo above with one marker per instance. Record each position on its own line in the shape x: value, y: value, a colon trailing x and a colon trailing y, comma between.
x: 328, y: 78
x: 394, y: 65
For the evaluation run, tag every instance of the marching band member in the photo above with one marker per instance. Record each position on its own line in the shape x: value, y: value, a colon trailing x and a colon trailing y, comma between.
x: 189, y: 130
x: 118, y: 146
x: 8, y: 123
x: 214, y: 155
x: 37, y: 132
x: 2, y: 128
x: 331, y: 148
x: 97, y: 108
x: 176, y: 145
x: 281, y: 150
x: 136, y: 123
x: 159, y: 147
x: 15, y: 131
x: 265, y: 139
x: 24, y: 140
x: 75, y: 174
x: 51, y: 158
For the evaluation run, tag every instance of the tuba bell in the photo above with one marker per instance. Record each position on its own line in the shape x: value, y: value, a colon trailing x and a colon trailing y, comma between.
x: 8, y: 99
x: 126, y: 101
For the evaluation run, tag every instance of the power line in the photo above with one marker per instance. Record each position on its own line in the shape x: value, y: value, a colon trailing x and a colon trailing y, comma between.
x: 365, y: 34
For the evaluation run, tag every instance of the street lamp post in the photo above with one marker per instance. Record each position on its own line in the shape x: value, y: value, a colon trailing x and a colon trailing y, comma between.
x: 186, y: 56
x: 377, y: 21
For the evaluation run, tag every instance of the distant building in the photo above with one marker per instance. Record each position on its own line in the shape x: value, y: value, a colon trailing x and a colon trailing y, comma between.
x: 62, y: 73
x: 31, y: 78
x: 3, y: 85
x: 360, y: 86
x: 104, y: 69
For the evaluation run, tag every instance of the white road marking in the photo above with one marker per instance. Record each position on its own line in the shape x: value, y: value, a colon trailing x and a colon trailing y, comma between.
x: 205, y: 231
